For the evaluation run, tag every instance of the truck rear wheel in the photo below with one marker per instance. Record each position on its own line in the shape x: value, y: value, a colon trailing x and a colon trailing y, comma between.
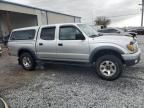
x: 27, y: 61
x: 109, y: 67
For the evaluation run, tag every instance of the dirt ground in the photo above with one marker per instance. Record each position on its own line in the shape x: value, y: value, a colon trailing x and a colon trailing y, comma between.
x: 60, y: 86
x: 11, y: 74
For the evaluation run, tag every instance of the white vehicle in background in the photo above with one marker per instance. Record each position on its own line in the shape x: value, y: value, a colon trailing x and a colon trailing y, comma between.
x: 116, y: 31
x: 96, y: 27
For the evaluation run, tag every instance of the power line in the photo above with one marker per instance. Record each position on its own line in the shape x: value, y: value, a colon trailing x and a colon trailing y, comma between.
x: 122, y: 15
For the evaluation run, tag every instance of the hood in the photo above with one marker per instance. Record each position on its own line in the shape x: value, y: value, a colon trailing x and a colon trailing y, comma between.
x: 112, y: 39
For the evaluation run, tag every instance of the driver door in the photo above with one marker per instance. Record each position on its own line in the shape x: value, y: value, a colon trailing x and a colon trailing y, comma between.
x: 72, y: 45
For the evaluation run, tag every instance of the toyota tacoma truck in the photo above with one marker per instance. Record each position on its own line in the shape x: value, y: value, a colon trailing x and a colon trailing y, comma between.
x: 74, y: 43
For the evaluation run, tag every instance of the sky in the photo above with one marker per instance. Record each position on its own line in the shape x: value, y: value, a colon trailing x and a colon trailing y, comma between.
x: 122, y: 13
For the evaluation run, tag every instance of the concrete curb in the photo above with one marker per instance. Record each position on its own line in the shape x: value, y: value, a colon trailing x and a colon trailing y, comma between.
x: 5, y: 104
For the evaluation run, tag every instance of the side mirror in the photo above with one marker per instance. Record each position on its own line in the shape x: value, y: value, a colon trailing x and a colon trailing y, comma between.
x: 80, y: 37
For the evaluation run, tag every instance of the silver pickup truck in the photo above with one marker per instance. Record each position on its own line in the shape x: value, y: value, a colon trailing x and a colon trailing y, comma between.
x: 74, y: 43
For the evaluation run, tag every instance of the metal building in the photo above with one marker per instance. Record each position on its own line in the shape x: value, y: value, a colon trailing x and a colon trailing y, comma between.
x: 13, y: 15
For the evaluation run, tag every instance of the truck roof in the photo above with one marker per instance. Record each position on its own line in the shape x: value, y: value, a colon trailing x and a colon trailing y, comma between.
x: 36, y: 27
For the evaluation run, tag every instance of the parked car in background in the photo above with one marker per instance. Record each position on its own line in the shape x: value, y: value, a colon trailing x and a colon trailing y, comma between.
x: 139, y: 31
x: 74, y: 43
x: 116, y: 31
x: 95, y: 27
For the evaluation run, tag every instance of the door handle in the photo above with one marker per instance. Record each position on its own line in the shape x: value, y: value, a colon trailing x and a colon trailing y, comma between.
x: 40, y: 44
x: 60, y: 44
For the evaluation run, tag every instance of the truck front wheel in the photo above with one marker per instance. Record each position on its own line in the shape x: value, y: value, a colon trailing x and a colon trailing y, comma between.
x: 109, y: 67
x: 27, y: 61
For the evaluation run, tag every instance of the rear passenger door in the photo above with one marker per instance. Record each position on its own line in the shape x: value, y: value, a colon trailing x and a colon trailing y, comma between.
x: 46, y: 43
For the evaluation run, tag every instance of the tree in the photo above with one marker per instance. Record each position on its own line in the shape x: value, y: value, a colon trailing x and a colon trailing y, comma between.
x: 102, y: 21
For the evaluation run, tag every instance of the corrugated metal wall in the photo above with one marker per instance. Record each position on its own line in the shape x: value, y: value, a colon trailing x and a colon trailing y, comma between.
x: 22, y: 16
x: 42, y: 17
x: 59, y: 18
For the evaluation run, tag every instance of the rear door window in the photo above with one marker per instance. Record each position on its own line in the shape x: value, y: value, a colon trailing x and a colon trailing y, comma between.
x: 23, y: 35
x: 48, y: 33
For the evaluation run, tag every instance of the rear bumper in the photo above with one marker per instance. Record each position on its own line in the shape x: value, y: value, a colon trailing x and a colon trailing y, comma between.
x: 132, y: 59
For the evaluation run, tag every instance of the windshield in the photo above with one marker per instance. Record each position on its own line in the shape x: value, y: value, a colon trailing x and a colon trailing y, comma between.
x: 88, y: 30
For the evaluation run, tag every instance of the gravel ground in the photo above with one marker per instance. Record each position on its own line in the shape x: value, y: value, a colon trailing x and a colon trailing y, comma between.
x: 59, y: 86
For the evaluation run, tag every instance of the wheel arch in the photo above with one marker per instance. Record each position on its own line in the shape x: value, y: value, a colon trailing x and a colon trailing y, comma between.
x: 98, y: 52
x: 22, y: 50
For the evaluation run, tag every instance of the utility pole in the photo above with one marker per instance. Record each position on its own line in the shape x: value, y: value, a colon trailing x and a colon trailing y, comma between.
x: 142, y: 14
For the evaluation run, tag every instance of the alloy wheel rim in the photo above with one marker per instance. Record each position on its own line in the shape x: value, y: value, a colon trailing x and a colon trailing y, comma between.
x: 108, y: 68
x: 26, y: 62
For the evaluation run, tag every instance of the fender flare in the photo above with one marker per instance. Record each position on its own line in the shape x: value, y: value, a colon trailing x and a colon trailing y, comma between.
x: 27, y: 50
x: 111, y: 48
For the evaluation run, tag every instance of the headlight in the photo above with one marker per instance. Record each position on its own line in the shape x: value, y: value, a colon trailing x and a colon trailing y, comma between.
x: 132, y: 47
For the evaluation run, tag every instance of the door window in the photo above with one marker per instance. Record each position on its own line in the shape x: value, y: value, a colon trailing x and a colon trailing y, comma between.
x: 70, y: 33
x: 48, y: 33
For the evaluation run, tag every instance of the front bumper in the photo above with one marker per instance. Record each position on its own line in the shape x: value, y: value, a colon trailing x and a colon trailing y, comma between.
x: 132, y: 59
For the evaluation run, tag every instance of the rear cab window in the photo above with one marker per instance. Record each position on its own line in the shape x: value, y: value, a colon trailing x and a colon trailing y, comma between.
x: 23, y: 35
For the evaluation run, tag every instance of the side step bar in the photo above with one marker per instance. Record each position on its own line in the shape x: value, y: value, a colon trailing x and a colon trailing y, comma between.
x: 41, y: 62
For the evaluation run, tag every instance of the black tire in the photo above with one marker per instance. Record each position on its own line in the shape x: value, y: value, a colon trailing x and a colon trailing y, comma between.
x: 115, y: 68
x: 30, y: 60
